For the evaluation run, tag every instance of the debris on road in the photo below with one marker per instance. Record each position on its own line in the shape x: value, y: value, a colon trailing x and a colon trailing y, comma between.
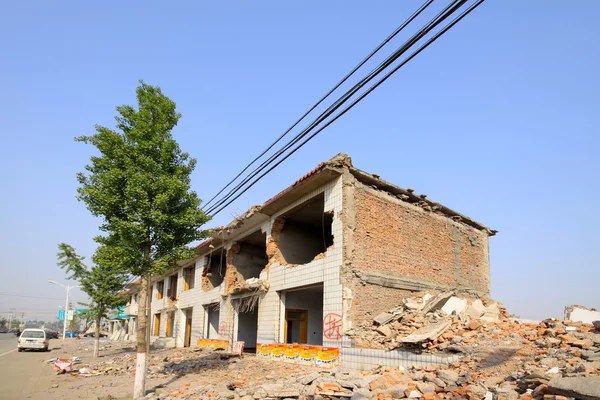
x: 62, y: 365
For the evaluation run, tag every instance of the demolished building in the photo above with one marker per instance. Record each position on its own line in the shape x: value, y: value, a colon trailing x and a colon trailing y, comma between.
x: 292, y: 278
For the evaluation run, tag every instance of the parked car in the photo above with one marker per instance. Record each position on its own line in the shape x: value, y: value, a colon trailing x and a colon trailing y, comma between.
x: 34, y: 339
x: 93, y: 334
x: 51, y: 334
x: 3, y: 330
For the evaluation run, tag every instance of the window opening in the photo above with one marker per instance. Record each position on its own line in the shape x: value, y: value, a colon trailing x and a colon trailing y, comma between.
x: 307, y: 231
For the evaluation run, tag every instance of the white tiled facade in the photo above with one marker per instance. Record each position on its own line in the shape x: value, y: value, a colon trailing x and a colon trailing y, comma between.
x: 323, y: 271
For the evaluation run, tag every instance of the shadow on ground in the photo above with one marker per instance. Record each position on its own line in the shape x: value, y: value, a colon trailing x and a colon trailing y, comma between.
x: 497, y: 356
x: 213, y: 361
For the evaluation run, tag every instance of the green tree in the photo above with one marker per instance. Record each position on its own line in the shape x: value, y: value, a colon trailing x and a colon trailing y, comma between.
x: 139, y: 185
x: 103, y: 282
x: 3, y: 323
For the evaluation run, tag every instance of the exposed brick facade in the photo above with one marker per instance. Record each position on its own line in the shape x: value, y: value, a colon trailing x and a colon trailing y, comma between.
x: 370, y: 300
x: 396, y: 239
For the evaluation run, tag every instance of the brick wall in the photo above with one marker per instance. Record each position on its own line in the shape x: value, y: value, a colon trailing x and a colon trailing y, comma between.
x: 393, y: 238
x: 371, y: 300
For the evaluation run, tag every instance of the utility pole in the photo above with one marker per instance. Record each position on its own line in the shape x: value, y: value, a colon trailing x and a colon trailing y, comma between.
x: 11, y: 316
x: 68, y: 289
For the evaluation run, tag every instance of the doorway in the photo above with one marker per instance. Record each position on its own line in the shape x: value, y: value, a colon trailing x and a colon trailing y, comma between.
x: 212, y: 319
x: 170, y: 324
x: 188, y: 328
x: 296, y: 326
x: 302, y: 321
x: 247, y: 329
x: 156, y: 324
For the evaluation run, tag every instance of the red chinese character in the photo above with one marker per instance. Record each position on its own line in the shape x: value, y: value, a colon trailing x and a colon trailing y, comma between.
x: 223, y: 328
x: 332, y: 326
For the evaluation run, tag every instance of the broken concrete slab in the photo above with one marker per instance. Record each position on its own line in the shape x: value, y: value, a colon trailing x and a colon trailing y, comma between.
x: 586, y: 388
x: 582, y: 314
x: 436, y: 302
x: 280, y: 390
x: 475, y: 310
x: 429, y: 332
x: 386, y: 317
x: 454, y: 305
x: 491, y: 314
x: 449, y: 376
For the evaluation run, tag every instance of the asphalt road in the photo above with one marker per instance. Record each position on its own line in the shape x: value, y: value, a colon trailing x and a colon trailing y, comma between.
x: 19, y: 371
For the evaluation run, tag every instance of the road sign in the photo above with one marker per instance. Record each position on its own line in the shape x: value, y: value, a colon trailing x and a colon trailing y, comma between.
x: 70, y: 315
x: 61, y: 315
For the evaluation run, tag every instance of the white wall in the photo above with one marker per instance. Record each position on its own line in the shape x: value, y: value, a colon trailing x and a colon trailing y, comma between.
x: 323, y: 271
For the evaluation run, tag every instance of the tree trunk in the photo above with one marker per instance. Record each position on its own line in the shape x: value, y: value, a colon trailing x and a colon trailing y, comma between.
x: 139, y: 389
x: 148, y: 314
x: 97, y: 338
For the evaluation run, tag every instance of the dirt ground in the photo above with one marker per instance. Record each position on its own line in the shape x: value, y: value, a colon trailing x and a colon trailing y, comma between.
x: 49, y: 385
x: 113, y: 372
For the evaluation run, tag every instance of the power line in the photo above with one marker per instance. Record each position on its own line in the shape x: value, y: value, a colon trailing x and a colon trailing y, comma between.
x: 449, y: 10
x: 32, y: 297
x: 440, y: 17
x: 333, y: 89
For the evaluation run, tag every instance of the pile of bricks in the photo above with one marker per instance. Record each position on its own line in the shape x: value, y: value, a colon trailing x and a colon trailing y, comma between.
x: 428, y: 322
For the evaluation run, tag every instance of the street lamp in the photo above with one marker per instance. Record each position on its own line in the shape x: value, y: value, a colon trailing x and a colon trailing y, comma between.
x: 68, y: 289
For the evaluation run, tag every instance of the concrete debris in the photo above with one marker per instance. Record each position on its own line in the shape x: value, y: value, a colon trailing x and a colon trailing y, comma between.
x: 578, y: 387
x: 423, y: 321
x: 581, y: 314
x: 500, y: 361
x: 429, y: 332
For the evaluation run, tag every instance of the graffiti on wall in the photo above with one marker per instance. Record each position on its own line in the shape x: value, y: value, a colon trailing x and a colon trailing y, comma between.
x: 212, y: 343
x: 332, y: 326
x: 238, y: 347
x: 223, y: 328
x: 320, y: 356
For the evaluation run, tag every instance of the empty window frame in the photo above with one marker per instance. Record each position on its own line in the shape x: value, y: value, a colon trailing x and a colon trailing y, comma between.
x: 252, y: 256
x: 172, y: 291
x: 160, y: 288
x: 307, y: 231
x: 189, y: 278
x: 215, y: 269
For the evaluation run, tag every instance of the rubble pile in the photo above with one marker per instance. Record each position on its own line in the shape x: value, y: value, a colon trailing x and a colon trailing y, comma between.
x: 553, y: 360
x: 428, y: 322
x: 495, y: 358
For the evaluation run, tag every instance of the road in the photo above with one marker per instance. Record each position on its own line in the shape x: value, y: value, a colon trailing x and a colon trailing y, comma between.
x: 20, y: 371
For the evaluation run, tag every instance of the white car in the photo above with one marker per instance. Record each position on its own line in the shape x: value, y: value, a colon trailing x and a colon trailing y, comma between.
x: 34, y: 339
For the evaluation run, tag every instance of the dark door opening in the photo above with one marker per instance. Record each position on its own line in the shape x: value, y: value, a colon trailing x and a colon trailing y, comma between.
x: 248, y: 329
x: 212, y: 328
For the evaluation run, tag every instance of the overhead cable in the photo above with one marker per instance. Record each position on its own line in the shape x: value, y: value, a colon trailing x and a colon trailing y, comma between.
x: 450, y: 9
x: 334, y: 88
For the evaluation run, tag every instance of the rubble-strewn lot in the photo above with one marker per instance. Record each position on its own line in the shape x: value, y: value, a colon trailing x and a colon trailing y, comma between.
x: 499, y: 360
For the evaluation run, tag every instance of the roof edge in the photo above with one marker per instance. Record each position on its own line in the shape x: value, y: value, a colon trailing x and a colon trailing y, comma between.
x: 408, y: 195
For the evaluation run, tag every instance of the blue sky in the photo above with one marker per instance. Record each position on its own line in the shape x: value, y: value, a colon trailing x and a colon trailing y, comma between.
x: 498, y: 120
